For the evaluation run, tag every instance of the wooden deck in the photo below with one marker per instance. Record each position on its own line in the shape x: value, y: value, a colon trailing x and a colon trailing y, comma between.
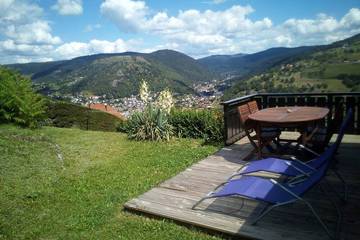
x: 174, y: 198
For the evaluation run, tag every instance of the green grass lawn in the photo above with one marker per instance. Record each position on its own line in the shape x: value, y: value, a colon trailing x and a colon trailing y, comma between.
x: 333, y: 70
x: 81, y: 196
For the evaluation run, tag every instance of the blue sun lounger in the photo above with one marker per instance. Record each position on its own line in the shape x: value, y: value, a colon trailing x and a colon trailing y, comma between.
x: 295, y: 168
x: 271, y: 192
x: 274, y: 193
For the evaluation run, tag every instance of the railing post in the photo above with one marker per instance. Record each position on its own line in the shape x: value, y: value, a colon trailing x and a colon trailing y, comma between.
x: 330, y: 106
x: 226, y: 123
x: 264, y: 101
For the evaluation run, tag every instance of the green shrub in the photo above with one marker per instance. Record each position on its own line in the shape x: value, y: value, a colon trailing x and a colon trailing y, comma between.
x: 18, y: 102
x: 198, y: 123
x: 151, y: 124
x: 68, y: 115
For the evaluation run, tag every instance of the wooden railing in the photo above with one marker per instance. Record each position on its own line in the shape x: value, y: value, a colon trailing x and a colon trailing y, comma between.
x: 234, y: 132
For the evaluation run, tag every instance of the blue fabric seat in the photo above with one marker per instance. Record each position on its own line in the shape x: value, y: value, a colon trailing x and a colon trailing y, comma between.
x: 271, y: 192
x: 268, y: 190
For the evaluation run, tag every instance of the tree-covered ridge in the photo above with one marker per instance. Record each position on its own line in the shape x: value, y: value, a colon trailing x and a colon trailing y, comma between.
x: 118, y: 74
x: 335, y: 68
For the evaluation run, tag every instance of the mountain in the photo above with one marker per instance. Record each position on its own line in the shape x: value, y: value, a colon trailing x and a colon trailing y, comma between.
x: 328, y: 68
x: 182, y: 64
x: 244, y: 64
x: 118, y: 74
x: 221, y: 64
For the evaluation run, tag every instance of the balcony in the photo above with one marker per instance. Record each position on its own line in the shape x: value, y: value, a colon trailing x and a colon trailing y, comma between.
x: 174, y: 198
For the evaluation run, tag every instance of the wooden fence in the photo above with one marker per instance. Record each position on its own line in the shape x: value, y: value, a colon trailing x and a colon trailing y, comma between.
x: 234, y: 132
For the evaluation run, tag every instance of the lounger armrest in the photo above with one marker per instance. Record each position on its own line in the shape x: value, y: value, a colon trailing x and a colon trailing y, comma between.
x: 284, y: 188
x: 308, y: 150
x: 304, y: 164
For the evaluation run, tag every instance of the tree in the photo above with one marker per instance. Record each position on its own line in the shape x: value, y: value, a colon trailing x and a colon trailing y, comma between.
x: 18, y: 101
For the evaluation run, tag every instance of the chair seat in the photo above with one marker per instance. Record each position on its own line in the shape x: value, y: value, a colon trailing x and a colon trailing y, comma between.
x: 255, y: 188
x: 263, y: 189
x: 270, y: 129
x: 269, y: 135
x: 276, y: 165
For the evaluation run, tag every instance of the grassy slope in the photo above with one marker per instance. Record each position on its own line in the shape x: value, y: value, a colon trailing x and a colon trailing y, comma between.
x: 317, y: 72
x: 81, y: 197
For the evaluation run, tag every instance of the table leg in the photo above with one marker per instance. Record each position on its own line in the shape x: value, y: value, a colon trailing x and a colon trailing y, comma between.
x: 259, y: 141
x: 306, y: 137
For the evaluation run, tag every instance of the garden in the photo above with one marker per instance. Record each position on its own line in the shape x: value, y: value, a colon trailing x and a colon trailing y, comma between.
x: 68, y: 183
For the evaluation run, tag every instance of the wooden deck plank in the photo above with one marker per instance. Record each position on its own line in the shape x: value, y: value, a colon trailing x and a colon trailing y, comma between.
x: 174, y: 198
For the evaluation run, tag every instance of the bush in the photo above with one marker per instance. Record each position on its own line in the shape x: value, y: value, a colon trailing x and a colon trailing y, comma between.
x: 198, y: 123
x: 63, y: 114
x: 18, y: 102
x: 151, y: 124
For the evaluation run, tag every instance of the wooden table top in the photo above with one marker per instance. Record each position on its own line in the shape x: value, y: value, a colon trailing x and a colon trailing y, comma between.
x: 289, y: 114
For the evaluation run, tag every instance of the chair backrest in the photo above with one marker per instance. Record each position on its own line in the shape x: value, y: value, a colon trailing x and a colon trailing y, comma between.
x: 335, y: 121
x: 316, y: 176
x: 309, y: 182
x: 339, y: 113
x: 244, y: 113
x: 330, y: 152
x: 245, y: 122
x: 253, y: 106
x: 343, y: 127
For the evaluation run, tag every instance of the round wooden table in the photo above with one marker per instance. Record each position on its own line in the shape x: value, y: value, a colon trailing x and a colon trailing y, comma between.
x: 294, y: 117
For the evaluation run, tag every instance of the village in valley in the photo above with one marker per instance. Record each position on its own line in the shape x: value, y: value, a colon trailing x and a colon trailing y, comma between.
x: 207, y: 95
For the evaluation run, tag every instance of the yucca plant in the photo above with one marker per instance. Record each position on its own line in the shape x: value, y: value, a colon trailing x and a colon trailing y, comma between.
x: 151, y: 124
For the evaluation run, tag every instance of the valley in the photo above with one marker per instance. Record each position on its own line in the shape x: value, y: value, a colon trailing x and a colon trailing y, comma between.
x: 203, y: 83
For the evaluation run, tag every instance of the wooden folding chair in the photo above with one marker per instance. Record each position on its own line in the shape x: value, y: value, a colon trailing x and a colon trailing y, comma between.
x: 260, y: 139
x: 253, y: 106
x: 321, y: 138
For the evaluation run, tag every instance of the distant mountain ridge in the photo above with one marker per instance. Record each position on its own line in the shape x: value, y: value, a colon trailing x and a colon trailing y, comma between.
x: 118, y: 74
x: 327, y: 68
x: 240, y: 65
x: 244, y: 64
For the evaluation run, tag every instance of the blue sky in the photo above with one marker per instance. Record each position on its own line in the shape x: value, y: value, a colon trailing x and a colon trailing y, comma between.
x: 45, y: 30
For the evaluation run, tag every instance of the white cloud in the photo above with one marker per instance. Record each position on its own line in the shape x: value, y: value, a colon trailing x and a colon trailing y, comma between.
x: 128, y: 15
x: 24, y: 33
x: 229, y: 31
x: 37, y: 32
x: 351, y: 19
x: 68, y: 7
x: 12, y: 52
x: 18, y: 12
x: 218, y: 1
x: 75, y: 49
x: 90, y: 27
x: 214, y: 2
x: 22, y: 23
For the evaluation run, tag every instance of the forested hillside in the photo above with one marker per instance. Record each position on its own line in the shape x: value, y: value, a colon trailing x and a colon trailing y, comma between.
x: 332, y: 68
x: 117, y: 75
